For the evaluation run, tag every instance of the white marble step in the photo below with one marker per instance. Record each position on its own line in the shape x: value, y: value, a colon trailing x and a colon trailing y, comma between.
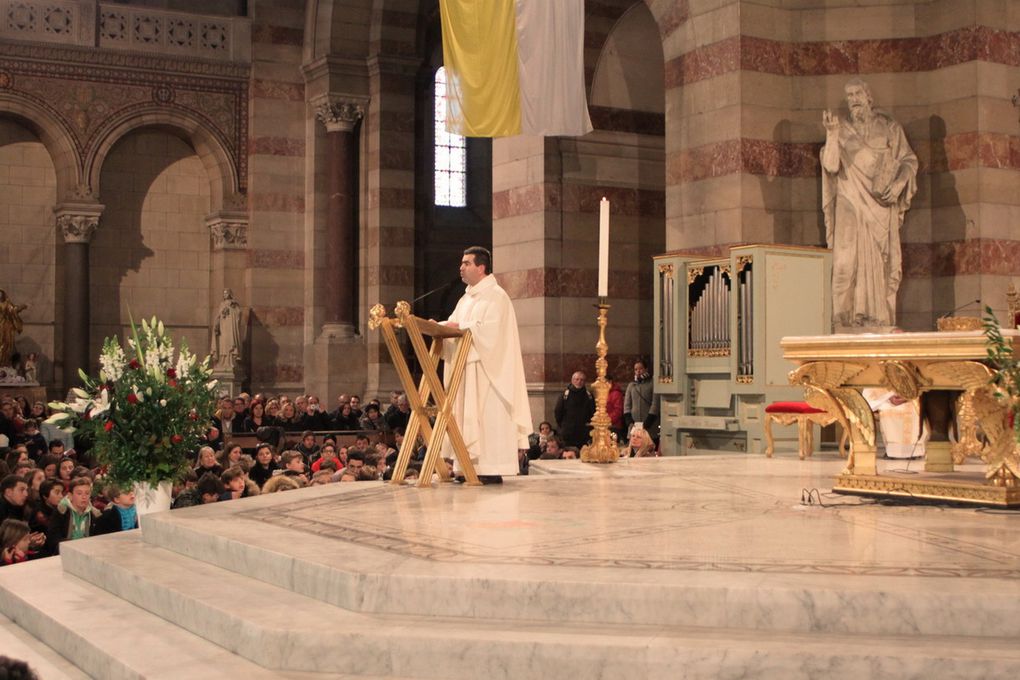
x: 16, y: 643
x: 282, y: 630
x: 378, y: 581
x: 68, y: 628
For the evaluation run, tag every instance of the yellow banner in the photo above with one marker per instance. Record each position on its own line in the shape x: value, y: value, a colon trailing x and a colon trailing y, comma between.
x: 480, y: 55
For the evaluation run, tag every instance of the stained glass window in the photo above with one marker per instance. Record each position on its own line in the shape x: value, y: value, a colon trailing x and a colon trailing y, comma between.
x: 450, y: 153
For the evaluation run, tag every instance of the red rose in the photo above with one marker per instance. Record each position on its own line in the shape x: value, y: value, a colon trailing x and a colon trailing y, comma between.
x: 132, y: 399
x: 171, y: 382
x: 193, y: 416
x: 176, y: 439
x: 134, y: 364
x: 108, y: 425
x: 171, y: 373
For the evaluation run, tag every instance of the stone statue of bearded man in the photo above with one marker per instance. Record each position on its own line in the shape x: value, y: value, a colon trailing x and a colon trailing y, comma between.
x: 868, y: 179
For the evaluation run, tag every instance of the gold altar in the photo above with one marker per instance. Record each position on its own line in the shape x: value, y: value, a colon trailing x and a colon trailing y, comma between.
x: 834, y: 368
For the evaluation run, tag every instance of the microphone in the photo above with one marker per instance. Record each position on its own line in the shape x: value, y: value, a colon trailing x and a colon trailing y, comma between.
x: 434, y: 290
x: 966, y: 304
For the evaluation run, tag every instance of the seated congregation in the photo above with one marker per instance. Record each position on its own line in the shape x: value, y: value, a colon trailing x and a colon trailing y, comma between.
x: 51, y: 490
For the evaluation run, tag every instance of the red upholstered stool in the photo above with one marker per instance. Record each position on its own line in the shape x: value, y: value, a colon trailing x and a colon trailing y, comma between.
x: 806, y: 417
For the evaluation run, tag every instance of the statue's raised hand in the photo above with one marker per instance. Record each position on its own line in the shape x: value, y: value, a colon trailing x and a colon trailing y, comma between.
x: 830, y: 121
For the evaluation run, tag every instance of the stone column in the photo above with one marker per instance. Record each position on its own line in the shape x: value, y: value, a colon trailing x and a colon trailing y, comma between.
x: 228, y: 231
x: 340, y: 114
x: 77, y: 223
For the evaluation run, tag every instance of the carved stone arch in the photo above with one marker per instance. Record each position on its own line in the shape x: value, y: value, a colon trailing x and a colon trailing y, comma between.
x: 56, y: 136
x: 208, y: 144
x: 669, y: 15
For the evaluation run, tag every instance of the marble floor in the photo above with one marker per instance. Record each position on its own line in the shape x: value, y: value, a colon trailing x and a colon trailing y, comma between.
x: 697, y: 567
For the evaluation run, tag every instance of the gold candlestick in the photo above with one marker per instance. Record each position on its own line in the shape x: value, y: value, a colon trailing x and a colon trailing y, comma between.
x: 602, y: 449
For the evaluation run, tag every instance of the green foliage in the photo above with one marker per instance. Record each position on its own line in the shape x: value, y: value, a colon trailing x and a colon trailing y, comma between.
x: 147, y: 413
x: 1006, y: 378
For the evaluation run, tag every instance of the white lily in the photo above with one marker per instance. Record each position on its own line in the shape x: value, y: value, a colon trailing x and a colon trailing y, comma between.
x: 57, y: 418
x: 101, y: 404
x: 79, y: 405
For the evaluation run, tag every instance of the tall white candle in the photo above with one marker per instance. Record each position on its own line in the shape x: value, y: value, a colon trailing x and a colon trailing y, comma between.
x: 604, y: 247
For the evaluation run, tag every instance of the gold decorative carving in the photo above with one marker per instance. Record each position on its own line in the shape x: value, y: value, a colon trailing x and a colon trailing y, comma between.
x: 724, y: 269
x: 718, y: 352
x: 977, y: 412
x: 904, y: 378
x: 986, y: 494
x: 602, y: 449
x: 825, y: 374
x: 693, y: 273
x: 745, y: 379
x: 743, y: 262
x: 970, y: 375
x: 666, y: 380
x: 666, y: 269
x: 376, y: 316
x: 1004, y: 461
x: 402, y: 310
x: 959, y: 323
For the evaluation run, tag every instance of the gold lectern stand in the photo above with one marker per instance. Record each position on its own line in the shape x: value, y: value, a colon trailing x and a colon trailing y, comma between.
x: 430, y: 387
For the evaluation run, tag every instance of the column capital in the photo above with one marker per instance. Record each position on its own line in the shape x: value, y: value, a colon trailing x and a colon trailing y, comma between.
x: 340, y: 112
x: 78, y: 221
x: 228, y: 229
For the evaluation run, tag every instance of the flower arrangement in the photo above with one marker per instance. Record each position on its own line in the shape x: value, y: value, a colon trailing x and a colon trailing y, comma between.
x: 1006, y: 379
x: 146, y: 414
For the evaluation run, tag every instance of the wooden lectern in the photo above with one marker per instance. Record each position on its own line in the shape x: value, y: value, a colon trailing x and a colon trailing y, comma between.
x: 430, y: 387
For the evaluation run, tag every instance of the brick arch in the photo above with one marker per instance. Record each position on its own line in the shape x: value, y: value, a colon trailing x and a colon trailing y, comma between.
x: 209, y: 145
x: 56, y: 136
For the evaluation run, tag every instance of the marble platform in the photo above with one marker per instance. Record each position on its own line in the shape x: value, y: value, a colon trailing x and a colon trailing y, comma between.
x: 697, y: 567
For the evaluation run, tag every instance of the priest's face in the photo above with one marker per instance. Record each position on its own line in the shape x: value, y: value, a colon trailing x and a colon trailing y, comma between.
x: 471, y: 273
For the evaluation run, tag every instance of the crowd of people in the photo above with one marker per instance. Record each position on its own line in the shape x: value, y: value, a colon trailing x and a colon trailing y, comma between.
x: 52, y: 490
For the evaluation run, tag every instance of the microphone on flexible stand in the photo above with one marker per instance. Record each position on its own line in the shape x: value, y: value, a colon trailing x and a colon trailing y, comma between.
x: 966, y: 304
x: 434, y: 290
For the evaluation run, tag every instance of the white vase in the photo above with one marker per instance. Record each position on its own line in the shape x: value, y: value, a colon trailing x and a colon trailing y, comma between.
x: 149, y: 499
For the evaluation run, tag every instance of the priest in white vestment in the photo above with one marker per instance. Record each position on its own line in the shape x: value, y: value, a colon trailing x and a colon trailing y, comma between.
x: 492, y: 408
x: 903, y: 429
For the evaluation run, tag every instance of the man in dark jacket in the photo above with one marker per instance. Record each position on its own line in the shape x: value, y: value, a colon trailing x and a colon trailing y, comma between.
x: 574, y: 411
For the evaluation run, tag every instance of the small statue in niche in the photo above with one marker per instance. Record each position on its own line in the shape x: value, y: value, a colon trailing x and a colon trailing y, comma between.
x: 29, y: 368
x: 226, y: 334
x: 868, y: 180
x: 10, y: 326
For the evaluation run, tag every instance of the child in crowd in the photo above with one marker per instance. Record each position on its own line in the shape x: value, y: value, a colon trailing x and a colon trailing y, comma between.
x: 48, y: 464
x: 120, y: 515
x: 15, y: 538
x: 65, y: 473
x: 74, y: 517
x: 264, y: 466
x: 51, y: 492
x: 234, y: 484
